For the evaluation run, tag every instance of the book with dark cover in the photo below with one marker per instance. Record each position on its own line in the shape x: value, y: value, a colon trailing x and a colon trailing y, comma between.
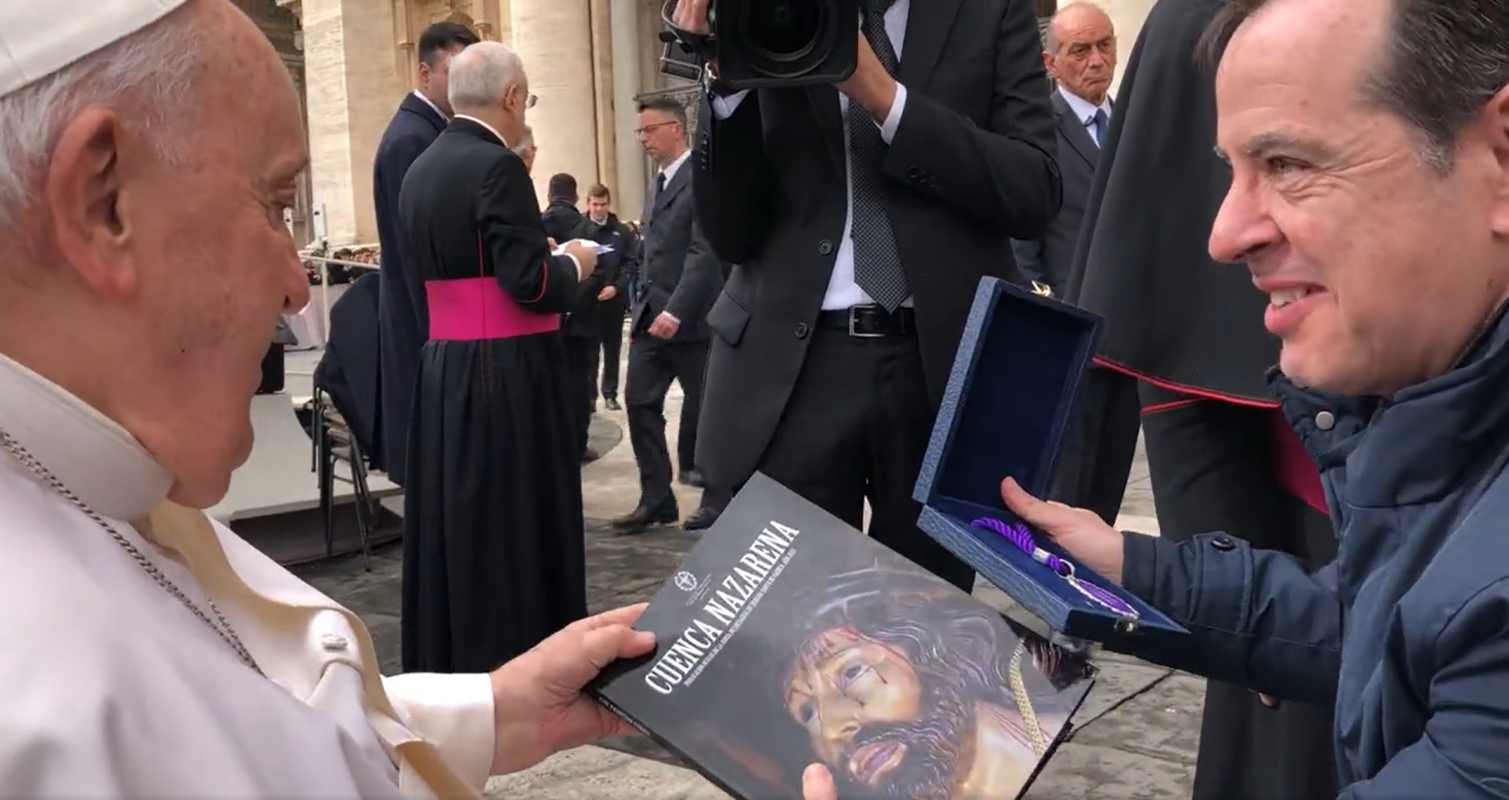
x: 788, y: 638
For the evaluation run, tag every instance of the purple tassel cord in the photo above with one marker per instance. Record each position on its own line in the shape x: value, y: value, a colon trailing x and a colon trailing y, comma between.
x: 1019, y: 535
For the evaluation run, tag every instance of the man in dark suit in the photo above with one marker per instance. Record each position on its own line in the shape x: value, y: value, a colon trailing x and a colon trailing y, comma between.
x: 861, y: 218
x: 421, y: 117
x: 679, y: 276
x: 1100, y: 445
x: 493, y: 549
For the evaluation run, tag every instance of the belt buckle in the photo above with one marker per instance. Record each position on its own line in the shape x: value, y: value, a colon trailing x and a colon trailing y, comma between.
x: 853, y: 314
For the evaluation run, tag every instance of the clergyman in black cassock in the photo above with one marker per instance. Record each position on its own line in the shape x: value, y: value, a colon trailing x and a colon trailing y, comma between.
x: 493, y: 549
x: 1215, y: 443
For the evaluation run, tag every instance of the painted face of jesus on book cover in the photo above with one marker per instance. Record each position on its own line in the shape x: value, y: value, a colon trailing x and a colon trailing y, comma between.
x: 911, y: 693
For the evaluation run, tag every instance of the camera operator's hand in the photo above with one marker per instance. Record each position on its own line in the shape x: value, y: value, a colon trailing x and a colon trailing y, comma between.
x: 586, y: 256
x: 692, y: 17
x: 870, y: 85
x: 1086, y: 536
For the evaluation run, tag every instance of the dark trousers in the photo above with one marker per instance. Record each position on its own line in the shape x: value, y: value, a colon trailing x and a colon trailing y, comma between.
x: 653, y: 364
x: 581, y: 380
x: 856, y: 428
x: 1099, y: 446
x: 611, y: 319
x: 1212, y: 470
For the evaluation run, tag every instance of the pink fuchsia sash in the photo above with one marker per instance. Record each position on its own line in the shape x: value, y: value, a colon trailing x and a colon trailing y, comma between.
x: 474, y: 309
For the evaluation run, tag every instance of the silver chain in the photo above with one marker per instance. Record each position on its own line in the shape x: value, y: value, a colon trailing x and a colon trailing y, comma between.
x: 223, y: 629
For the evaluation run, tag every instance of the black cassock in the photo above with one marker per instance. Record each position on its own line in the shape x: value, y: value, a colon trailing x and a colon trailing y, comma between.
x: 493, y: 549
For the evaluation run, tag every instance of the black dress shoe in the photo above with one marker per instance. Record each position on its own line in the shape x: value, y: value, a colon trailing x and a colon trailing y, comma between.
x: 691, y: 477
x: 702, y: 519
x: 612, y: 404
x: 643, y: 517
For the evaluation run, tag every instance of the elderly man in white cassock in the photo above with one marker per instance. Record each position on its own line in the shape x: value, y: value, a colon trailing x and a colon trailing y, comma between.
x: 148, y: 149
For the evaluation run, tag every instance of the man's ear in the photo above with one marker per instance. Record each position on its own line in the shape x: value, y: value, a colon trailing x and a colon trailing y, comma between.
x: 424, y: 76
x: 81, y: 194
x: 1497, y: 122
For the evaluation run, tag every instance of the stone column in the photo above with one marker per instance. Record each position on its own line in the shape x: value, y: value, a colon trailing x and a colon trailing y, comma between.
x: 629, y: 185
x: 554, y: 37
x: 602, y: 91
x: 353, y: 88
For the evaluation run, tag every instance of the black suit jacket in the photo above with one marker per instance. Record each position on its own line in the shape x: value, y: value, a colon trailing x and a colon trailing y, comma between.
x: 402, y: 313
x: 971, y: 165
x: 1049, y: 258
x: 470, y: 210
x: 677, y: 271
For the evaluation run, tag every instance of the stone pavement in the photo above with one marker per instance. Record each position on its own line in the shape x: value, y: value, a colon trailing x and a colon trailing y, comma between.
x: 1136, y: 737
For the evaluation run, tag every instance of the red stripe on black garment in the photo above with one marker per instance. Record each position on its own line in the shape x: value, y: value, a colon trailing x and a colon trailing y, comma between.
x: 1172, y: 405
x: 1293, y: 468
x: 544, y: 281
x: 1180, y: 388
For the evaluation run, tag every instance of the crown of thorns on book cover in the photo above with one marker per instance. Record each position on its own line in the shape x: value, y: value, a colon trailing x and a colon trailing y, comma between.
x: 904, y: 686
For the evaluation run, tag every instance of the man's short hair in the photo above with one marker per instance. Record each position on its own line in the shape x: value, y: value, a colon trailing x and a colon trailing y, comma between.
x: 1444, y: 60
x: 599, y: 191
x: 563, y: 187
x: 665, y: 105
x: 442, y: 37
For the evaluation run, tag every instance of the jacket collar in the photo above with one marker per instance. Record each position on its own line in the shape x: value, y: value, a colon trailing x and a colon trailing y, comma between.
x: 1419, y: 445
x: 414, y: 104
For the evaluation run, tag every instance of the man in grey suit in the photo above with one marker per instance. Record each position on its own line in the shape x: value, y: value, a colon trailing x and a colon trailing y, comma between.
x: 1080, y: 55
x: 668, y: 336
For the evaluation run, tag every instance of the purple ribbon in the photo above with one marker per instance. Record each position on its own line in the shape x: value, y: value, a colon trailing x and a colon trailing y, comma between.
x: 1019, y: 535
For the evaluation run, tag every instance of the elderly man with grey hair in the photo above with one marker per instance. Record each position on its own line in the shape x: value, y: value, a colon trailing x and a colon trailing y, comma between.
x: 148, y: 149
x: 494, y: 556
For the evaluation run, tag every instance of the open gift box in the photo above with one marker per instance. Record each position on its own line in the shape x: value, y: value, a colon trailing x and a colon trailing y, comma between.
x: 1010, y: 397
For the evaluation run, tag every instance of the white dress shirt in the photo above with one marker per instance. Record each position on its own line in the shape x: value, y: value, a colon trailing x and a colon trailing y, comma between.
x: 115, y: 689
x: 670, y: 170
x: 1084, y: 111
x: 842, y: 291
x: 431, y: 104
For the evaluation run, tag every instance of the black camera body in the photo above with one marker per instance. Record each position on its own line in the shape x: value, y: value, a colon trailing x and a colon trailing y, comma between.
x: 775, y: 43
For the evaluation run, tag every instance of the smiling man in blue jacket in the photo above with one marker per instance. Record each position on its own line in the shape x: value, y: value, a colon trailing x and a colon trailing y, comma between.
x: 1369, y: 199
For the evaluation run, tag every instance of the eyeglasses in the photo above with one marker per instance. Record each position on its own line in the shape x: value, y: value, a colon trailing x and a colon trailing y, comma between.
x: 642, y: 132
x: 530, y: 101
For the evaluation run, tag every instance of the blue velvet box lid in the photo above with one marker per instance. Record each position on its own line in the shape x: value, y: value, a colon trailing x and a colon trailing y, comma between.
x: 1010, y: 397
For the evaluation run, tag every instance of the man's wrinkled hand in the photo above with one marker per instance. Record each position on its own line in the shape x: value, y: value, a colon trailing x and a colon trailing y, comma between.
x: 585, y: 254
x: 665, y: 326
x: 817, y: 784
x: 539, y: 705
x: 871, y: 85
x: 608, y: 293
x: 1081, y: 533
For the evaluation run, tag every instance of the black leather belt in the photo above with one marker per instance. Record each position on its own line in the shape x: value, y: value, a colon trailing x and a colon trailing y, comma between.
x: 869, y: 322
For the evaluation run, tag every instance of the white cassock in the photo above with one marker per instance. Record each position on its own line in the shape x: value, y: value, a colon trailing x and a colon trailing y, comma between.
x: 113, y: 687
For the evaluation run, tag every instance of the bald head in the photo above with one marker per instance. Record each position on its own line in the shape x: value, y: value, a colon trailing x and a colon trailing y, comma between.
x: 148, y: 184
